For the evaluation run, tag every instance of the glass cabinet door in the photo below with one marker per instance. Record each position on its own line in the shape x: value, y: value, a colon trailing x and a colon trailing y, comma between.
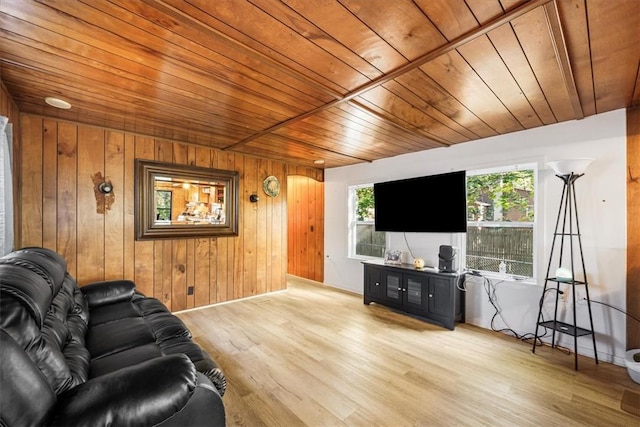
x: 415, y: 290
x: 393, y: 286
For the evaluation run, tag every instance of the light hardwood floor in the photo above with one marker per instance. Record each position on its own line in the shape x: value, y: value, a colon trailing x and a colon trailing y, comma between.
x: 314, y: 356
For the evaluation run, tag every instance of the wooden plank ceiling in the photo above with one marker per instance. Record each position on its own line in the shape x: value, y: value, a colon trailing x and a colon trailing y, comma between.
x: 344, y: 81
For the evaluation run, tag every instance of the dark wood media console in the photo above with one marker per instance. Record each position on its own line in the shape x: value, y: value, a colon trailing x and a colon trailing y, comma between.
x: 435, y: 296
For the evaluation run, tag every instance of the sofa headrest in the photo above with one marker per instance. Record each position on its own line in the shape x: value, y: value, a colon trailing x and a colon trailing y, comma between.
x: 43, y: 261
x: 31, y: 289
x: 50, y: 253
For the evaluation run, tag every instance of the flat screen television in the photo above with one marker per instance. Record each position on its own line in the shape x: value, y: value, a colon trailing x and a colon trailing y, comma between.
x: 429, y: 204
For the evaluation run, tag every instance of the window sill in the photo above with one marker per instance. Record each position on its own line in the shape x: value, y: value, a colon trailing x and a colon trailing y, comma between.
x: 363, y: 258
x: 505, y: 277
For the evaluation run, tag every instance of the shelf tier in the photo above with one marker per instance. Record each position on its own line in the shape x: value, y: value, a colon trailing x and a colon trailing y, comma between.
x: 566, y: 282
x: 565, y: 328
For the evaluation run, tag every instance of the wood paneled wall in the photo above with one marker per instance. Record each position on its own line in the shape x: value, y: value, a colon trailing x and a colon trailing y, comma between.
x: 59, y: 211
x: 633, y: 226
x: 305, y: 213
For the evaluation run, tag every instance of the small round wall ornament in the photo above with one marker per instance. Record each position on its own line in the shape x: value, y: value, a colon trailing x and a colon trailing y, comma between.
x: 271, y: 186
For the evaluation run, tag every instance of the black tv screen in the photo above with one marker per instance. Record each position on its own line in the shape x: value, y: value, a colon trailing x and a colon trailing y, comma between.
x: 433, y: 204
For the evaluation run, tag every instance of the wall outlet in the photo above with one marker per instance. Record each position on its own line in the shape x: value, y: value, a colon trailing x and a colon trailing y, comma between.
x: 564, y: 296
x: 190, y: 290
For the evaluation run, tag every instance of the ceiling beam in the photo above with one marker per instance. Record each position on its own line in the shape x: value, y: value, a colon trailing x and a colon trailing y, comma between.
x: 562, y: 56
x: 448, y: 47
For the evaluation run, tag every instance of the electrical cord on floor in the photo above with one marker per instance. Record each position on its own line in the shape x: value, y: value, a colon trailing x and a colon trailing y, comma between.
x: 490, y: 289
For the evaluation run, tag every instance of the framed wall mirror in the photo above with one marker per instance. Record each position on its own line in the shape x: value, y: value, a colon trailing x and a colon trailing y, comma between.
x: 178, y: 201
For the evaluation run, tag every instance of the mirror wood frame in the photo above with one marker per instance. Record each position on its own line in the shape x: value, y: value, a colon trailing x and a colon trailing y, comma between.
x: 147, y: 228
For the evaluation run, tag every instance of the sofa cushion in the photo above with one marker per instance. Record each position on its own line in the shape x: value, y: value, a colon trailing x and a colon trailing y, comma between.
x: 166, y: 326
x: 118, y: 335
x: 112, y: 362
x: 112, y: 312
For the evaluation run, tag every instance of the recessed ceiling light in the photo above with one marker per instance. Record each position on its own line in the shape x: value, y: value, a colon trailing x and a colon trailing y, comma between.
x: 57, y: 102
x: 318, y: 162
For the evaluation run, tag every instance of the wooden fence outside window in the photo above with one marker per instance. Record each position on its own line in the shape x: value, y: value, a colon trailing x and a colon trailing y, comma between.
x: 369, y: 242
x: 488, y: 246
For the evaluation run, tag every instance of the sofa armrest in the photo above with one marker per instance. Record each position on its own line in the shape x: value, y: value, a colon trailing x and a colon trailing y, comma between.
x: 148, y: 393
x: 109, y: 292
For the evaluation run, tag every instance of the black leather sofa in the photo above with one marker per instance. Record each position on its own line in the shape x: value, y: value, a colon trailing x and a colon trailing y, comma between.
x: 96, y: 355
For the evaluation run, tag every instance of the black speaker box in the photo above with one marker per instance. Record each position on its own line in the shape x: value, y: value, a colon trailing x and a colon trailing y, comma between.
x: 447, y: 258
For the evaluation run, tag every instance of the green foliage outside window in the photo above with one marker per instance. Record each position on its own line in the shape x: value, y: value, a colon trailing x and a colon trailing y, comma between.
x: 365, y: 205
x: 163, y: 205
x: 366, y: 240
x: 508, y: 192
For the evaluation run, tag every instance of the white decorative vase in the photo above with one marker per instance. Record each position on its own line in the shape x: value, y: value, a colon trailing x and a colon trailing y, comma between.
x: 633, y: 366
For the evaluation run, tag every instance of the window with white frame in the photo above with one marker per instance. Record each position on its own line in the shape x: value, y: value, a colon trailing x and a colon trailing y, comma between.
x: 364, y: 240
x: 6, y: 186
x: 501, y: 220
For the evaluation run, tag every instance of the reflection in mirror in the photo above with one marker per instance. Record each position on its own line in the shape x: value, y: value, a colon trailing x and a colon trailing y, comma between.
x: 185, y: 201
x: 179, y: 201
